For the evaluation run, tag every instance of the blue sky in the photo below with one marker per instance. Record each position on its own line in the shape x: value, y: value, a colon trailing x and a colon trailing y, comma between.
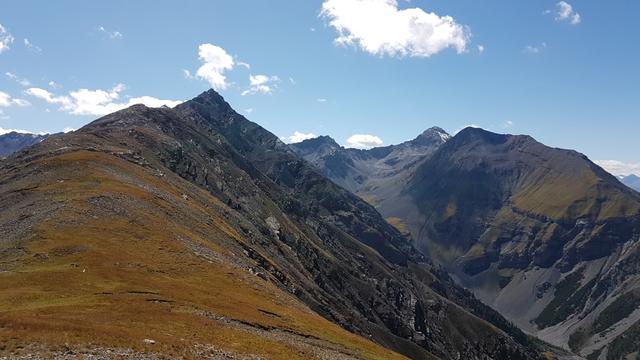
x: 564, y: 72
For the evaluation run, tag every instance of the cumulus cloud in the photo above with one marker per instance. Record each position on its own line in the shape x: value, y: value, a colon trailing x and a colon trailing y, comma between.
x: 96, y: 102
x: 114, y: 35
x: 261, y: 84
x: 6, y: 39
x: 619, y: 168
x: 298, y: 137
x: 565, y: 12
x: 7, y: 100
x: 216, y: 61
x: 363, y: 141
x: 481, y: 49
x: 379, y: 27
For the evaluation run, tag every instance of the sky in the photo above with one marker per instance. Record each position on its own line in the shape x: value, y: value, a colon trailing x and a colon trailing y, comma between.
x: 366, y: 72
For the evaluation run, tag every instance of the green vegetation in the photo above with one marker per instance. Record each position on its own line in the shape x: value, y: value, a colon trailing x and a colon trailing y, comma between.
x: 621, y: 308
x: 625, y: 344
x: 569, y: 297
x: 618, y: 310
x: 577, y: 339
x: 594, y: 355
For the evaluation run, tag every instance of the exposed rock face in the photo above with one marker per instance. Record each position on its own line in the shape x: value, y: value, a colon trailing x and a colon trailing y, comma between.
x: 14, y: 141
x: 201, y: 185
x: 538, y: 233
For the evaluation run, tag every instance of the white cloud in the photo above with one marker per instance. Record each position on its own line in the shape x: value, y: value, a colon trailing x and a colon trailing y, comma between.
x: 150, y: 101
x: 380, y: 28
x: 6, y: 39
x: 96, y: 102
x: 187, y: 74
x: 54, y: 84
x: 619, y: 168
x: 22, y: 81
x: 481, y: 49
x: 7, y: 100
x: 565, y: 12
x: 363, y: 141
x: 21, y: 102
x: 321, y: 100
x: 292, y: 81
x: 45, y: 95
x: 114, y: 35
x: 261, y: 84
x: 6, y: 131
x: 244, y: 64
x: 508, y: 124
x: 299, y: 137
x: 216, y: 61
x: 249, y: 110
x: 535, y: 49
x: 29, y: 45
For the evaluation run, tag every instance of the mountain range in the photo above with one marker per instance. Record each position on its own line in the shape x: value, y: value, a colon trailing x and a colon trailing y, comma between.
x: 543, y: 235
x: 632, y: 181
x: 14, y: 141
x: 192, y: 232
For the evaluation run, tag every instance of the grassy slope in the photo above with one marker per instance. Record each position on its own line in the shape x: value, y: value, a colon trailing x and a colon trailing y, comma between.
x: 116, y: 265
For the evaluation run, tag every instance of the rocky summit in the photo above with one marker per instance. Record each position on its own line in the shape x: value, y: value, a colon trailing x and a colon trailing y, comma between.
x: 543, y: 235
x: 191, y: 232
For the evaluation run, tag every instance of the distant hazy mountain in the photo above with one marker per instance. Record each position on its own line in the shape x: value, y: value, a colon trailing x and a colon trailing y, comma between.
x: 544, y: 235
x: 193, y: 232
x: 631, y: 181
x: 376, y: 175
x: 14, y: 141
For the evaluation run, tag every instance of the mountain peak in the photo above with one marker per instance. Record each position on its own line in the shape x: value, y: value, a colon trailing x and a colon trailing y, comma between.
x: 321, y: 144
x: 209, y: 95
x: 210, y: 100
x: 431, y: 135
x: 471, y: 134
x: 320, y: 140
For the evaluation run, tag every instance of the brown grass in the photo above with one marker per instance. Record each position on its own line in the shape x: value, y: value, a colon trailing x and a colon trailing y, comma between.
x: 113, y: 280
